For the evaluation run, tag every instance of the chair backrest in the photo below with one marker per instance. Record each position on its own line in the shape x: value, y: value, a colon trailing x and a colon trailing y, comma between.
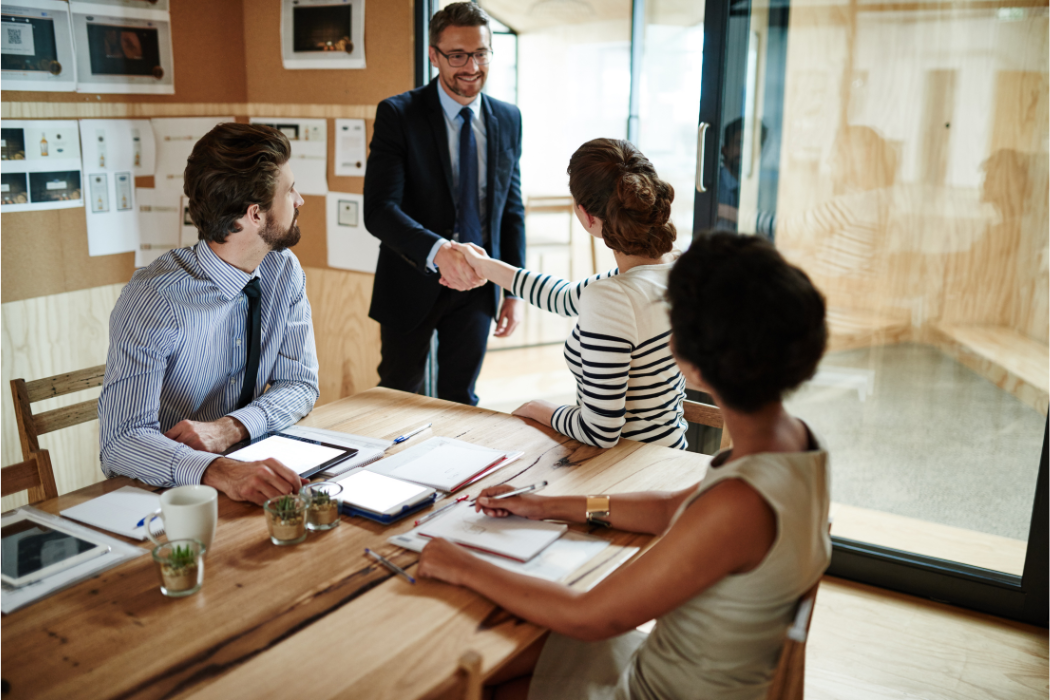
x: 709, y: 415
x: 788, y: 680
x: 465, y: 683
x: 33, y: 475
x: 31, y: 426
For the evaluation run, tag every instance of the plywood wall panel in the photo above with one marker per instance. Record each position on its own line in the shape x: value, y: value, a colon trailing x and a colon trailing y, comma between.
x: 347, y: 340
x: 46, y: 336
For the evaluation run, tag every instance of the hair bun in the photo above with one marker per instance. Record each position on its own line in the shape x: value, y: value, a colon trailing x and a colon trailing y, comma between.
x: 636, y: 192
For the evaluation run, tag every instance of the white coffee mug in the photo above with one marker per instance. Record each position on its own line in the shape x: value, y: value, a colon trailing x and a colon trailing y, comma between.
x: 188, y: 512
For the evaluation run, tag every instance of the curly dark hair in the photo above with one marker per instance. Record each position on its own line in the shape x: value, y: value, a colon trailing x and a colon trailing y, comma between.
x: 751, y: 322
x: 232, y: 167
x: 613, y: 181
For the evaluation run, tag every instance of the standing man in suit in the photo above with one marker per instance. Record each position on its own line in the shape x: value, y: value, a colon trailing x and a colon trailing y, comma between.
x: 443, y: 165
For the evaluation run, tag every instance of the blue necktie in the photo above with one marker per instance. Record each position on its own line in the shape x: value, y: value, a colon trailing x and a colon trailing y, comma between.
x: 469, y: 224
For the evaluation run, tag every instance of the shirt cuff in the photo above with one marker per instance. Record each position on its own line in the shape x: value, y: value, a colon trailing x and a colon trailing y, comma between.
x: 190, y: 465
x: 433, y: 253
x: 253, y: 419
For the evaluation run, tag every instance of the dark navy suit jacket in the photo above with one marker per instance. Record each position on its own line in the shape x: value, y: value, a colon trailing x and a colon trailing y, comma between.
x: 410, y: 203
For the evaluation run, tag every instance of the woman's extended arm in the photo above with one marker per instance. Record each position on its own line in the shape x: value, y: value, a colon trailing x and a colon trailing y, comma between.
x: 727, y: 530
x: 544, y: 291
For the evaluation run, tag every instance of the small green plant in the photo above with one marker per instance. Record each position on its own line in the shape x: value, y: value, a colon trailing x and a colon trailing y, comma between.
x: 286, y: 506
x: 321, y: 499
x: 182, y: 556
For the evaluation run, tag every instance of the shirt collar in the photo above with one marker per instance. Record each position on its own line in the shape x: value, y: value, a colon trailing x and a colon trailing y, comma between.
x: 453, y: 108
x: 226, y: 277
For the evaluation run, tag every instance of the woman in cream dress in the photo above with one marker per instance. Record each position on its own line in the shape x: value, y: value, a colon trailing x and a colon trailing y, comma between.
x: 737, y: 550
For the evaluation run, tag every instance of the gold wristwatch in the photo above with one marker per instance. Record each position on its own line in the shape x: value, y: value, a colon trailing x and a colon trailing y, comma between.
x: 598, y: 510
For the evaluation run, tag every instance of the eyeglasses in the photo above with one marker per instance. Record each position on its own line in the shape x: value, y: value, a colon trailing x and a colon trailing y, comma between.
x: 458, y: 59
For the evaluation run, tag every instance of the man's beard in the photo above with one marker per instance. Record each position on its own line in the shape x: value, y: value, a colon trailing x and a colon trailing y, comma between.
x: 280, y: 240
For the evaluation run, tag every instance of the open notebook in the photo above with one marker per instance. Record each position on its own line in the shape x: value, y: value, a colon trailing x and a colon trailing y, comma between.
x: 444, y: 463
x: 515, y: 538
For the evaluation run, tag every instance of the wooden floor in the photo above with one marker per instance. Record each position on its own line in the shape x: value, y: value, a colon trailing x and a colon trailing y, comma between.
x: 865, y: 643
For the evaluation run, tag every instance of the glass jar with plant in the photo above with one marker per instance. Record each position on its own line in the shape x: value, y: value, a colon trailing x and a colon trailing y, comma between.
x: 322, y: 513
x: 286, y: 519
x: 180, y: 565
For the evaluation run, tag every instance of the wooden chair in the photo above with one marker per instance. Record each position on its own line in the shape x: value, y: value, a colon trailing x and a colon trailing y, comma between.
x: 465, y: 683
x: 789, y: 677
x: 33, y: 475
x: 709, y: 415
x: 31, y: 427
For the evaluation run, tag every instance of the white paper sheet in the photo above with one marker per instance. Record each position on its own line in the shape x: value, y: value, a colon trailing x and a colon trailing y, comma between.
x: 309, y: 138
x: 350, y: 147
x: 175, y: 139
x: 188, y: 233
x: 350, y: 245
x: 341, y: 25
x: 121, y: 49
x: 40, y: 165
x: 119, y: 511
x: 39, y: 68
x: 159, y: 217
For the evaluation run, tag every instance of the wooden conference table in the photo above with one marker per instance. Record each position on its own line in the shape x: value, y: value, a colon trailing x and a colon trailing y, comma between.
x: 318, y: 619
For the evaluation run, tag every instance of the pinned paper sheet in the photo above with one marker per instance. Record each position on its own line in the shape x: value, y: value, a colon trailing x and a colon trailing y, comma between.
x: 159, y: 217
x: 37, y: 46
x: 122, y: 49
x: 175, y: 139
x: 350, y: 147
x: 350, y: 245
x: 114, y: 150
x: 309, y: 162
x: 188, y: 234
x: 40, y: 165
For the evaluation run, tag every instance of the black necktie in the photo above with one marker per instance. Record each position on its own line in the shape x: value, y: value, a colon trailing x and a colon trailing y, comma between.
x: 252, y: 329
x: 469, y: 223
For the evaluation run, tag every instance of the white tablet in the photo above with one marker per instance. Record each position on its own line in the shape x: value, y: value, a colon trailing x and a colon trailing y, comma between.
x: 33, y: 551
x: 381, y: 494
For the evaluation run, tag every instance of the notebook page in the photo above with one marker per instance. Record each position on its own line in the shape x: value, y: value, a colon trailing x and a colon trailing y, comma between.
x: 513, y: 537
x: 447, y: 466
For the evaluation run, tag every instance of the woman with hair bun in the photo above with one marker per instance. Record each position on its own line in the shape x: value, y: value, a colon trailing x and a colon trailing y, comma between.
x: 736, y: 551
x: 627, y: 384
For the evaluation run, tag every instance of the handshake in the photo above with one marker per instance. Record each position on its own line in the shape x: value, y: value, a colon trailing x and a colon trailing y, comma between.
x: 459, y: 265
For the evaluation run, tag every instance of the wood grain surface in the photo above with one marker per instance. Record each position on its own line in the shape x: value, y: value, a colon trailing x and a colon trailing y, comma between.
x: 319, y: 615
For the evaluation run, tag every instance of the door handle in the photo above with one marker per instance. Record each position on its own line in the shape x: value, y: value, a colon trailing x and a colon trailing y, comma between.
x: 701, y: 137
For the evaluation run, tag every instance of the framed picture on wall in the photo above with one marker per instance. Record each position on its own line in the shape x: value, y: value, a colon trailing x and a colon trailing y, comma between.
x: 126, y: 50
x: 36, y: 46
x: 323, y: 34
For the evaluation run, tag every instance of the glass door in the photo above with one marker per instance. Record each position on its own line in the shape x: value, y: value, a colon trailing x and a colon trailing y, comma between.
x: 899, y: 154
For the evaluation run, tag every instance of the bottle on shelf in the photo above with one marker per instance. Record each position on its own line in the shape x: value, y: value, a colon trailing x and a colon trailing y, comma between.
x: 43, y: 145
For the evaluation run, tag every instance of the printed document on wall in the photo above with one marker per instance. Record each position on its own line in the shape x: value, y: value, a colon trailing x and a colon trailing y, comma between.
x: 175, y: 139
x: 350, y: 147
x: 114, y: 152
x: 122, y: 47
x: 350, y: 246
x: 159, y: 218
x: 37, y: 46
x: 39, y: 165
x: 309, y: 139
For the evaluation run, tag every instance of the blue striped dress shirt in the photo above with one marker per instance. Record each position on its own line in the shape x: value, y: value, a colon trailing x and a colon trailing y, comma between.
x: 178, y: 349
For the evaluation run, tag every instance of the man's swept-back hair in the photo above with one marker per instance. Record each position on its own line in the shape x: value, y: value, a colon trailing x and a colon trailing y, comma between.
x: 458, y: 14
x: 233, y: 167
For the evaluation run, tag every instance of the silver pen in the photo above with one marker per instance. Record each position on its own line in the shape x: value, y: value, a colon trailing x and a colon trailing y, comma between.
x: 518, y: 492
x: 390, y: 565
x: 402, y: 438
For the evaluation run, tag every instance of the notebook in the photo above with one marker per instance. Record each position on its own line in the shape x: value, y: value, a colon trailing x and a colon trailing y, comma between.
x: 444, y: 463
x: 119, y: 511
x: 513, y: 537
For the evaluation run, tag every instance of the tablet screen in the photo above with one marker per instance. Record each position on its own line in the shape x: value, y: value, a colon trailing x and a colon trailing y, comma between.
x: 29, y: 547
x: 302, y: 456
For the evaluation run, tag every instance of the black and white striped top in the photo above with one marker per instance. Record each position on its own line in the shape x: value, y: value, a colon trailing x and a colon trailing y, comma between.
x: 627, y: 382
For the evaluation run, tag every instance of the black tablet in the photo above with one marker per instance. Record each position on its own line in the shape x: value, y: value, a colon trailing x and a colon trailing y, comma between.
x: 302, y: 455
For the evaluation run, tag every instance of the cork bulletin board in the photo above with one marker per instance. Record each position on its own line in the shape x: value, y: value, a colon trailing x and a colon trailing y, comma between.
x: 227, y: 61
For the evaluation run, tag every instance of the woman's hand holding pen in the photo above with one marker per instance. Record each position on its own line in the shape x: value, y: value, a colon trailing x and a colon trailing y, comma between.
x: 527, y: 505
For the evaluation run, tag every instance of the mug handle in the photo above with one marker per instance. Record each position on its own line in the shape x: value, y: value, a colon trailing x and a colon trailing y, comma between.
x: 149, y: 530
